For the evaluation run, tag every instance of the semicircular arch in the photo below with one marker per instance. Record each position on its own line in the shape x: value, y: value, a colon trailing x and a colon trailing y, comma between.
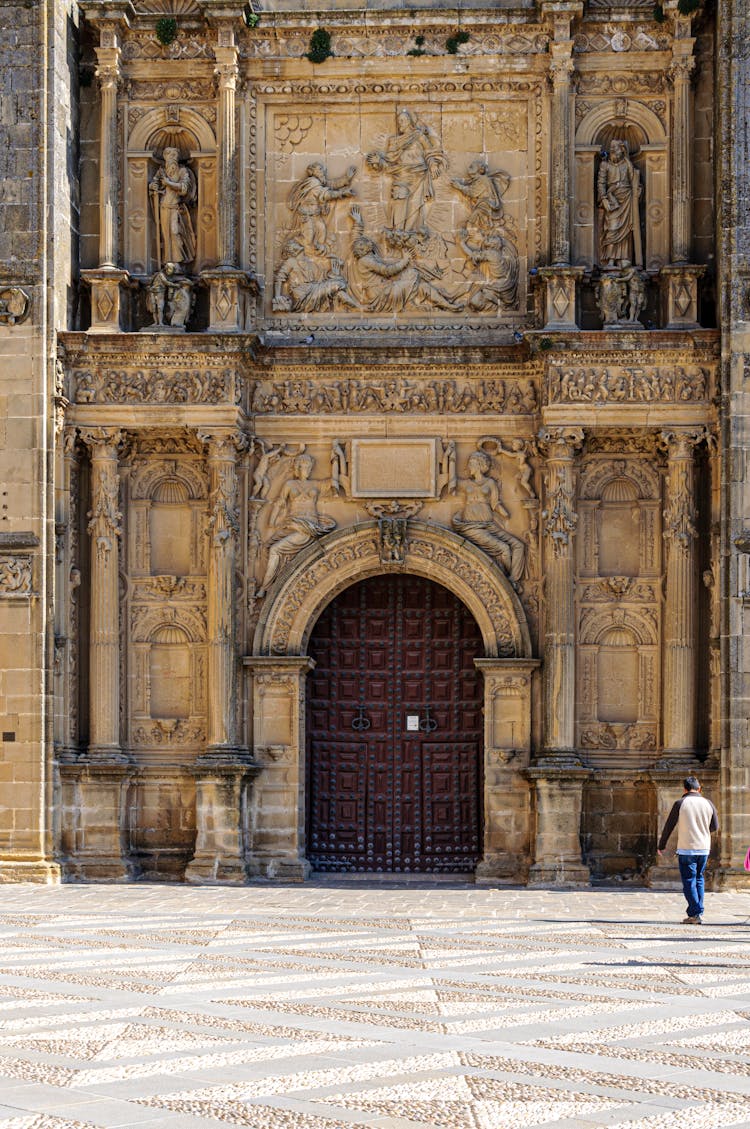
x: 154, y: 123
x: 343, y: 557
x: 599, y: 119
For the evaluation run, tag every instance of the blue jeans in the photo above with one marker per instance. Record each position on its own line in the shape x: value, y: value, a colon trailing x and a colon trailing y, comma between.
x: 692, y: 868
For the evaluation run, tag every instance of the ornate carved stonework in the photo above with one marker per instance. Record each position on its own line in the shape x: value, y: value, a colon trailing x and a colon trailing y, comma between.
x: 512, y: 397
x: 15, y: 576
x: 621, y: 384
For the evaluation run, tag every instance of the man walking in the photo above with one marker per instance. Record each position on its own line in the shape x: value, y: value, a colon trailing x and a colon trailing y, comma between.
x: 695, y: 818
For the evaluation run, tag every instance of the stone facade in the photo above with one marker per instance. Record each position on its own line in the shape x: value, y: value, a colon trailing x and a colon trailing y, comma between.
x: 460, y: 299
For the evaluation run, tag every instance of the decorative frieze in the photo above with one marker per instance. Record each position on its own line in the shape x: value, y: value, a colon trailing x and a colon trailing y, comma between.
x: 162, y: 386
x: 622, y: 384
x: 308, y: 397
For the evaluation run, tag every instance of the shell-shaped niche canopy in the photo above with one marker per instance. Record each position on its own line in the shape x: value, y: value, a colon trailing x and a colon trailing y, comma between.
x: 167, y: 8
x: 629, y: 132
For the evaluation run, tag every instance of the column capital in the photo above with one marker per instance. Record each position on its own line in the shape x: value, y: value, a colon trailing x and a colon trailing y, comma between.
x: 102, y: 442
x: 561, y: 65
x: 680, y: 442
x: 224, y: 444
x: 561, y: 443
x: 560, y: 14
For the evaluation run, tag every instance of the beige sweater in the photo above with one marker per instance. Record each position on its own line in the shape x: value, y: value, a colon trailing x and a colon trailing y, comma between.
x: 696, y: 818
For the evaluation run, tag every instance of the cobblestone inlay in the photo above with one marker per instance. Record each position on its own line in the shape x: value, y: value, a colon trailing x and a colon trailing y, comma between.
x: 324, y: 1007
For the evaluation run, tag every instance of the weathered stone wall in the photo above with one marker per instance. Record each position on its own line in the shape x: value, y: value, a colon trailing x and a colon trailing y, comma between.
x: 38, y: 222
x: 733, y: 115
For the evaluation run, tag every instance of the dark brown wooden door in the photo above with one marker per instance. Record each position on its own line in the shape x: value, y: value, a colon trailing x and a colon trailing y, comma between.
x: 392, y: 653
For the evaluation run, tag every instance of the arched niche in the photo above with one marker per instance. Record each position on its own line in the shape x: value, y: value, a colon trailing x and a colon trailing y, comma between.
x: 170, y: 676
x: 187, y: 131
x: 167, y: 515
x: 618, y: 683
x: 171, y: 549
x: 337, y: 560
x: 619, y: 522
x: 636, y: 123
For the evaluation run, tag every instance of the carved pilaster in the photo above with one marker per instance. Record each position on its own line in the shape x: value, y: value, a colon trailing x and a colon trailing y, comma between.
x: 104, y: 644
x: 559, y: 523
x: 507, y: 746
x: 109, y: 284
x: 226, y: 72
x: 681, y: 68
x: 681, y: 591
x: 221, y: 817
x: 561, y: 68
x: 223, y: 527
x: 278, y: 817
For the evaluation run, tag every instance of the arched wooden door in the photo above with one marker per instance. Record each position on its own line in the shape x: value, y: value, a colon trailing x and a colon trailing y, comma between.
x: 394, y: 731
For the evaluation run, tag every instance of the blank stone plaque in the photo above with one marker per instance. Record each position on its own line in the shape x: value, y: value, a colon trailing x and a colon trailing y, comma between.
x: 387, y: 468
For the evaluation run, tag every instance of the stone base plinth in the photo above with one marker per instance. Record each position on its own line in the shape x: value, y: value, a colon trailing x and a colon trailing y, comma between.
x: 280, y: 868
x: 732, y: 878
x: 678, y: 284
x: 99, y: 868
x: 561, y: 296
x: 559, y: 874
x: 222, y: 779
x: 232, y: 298
x: 110, y: 299
x: 501, y: 868
x: 40, y: 872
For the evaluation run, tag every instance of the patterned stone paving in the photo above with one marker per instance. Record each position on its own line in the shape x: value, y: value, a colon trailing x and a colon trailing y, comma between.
x: 327, y: 1007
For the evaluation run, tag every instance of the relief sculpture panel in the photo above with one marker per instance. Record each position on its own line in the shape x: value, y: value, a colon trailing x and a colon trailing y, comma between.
x: 378, y: 211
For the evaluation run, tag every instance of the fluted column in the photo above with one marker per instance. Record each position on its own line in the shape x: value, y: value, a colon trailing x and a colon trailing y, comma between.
x: 223, y: 530
x: 104, y: 629
x: 561, y: 68
x: 560, y: 519
x: 680, y: 71
x: 680, y: 611
x: 110, y: 284
x: 679, y: 279
x: 226, y: 72
x: 561, y: 280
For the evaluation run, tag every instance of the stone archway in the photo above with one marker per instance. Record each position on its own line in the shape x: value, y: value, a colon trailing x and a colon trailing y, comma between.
x: 280, y: 664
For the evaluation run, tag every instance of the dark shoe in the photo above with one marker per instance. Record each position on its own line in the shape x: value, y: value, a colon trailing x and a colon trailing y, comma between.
x: 692, y: 921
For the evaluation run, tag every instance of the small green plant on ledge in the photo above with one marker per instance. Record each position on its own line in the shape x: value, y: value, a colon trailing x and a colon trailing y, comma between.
x: 320, y: 46
x: 419, y: 40
x: 251, y: 18
x: 166, y: 30
x: 453, y: 42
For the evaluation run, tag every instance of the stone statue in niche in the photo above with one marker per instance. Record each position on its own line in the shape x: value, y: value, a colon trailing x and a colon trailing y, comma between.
x: 482, y: 514
x: 386, y: 285
x: 170, y: 298
x: 173, y: 191
x: 294, y: 519
x: 413, y: 158
x: 302, y: 284
x: 310, y: 204
x: 618, y: 191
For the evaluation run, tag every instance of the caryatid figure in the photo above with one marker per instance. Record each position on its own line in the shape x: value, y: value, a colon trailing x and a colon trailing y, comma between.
x: 618, y: 192
x: 172, y: 190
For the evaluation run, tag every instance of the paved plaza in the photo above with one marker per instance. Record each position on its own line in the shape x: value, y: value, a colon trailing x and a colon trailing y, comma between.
x: 353, y: 1004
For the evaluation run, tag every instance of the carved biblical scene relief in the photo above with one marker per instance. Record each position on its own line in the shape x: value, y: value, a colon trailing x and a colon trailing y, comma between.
x: 402, y: 211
